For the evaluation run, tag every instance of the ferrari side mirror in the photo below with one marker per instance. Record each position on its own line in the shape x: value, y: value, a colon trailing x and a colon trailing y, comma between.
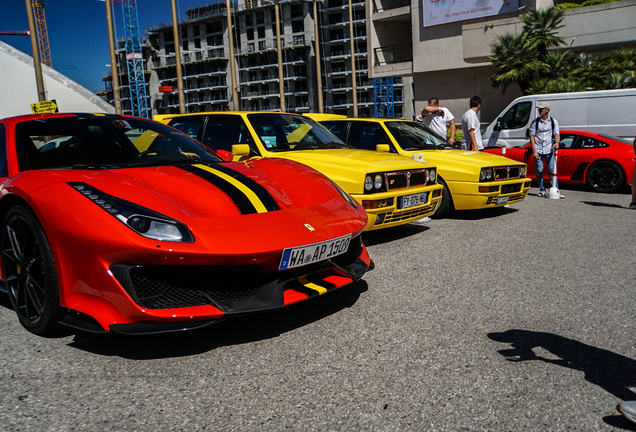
x: 240, y: 150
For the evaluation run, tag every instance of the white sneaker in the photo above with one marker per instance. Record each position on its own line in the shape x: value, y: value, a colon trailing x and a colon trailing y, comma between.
x: 632, y: 206
x: 541, y: 193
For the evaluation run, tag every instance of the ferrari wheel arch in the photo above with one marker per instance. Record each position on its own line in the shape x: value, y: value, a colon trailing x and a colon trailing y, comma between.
x: 605, y: 176
x: 29, y: 271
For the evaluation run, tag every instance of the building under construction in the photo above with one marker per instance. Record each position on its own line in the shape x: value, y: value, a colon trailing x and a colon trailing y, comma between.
x: 205, y: 57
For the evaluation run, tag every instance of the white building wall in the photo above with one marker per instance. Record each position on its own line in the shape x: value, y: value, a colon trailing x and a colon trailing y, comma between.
x: 19, y: 89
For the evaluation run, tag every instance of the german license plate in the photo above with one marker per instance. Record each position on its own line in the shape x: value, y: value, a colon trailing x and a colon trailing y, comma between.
x: 304, y: 255
x: 412, y: 200
x: 502, y: 200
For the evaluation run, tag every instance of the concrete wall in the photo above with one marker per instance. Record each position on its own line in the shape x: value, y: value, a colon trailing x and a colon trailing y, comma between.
x: 19, y: 90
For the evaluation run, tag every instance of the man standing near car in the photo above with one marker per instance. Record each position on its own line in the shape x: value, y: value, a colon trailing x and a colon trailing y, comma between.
x: 438, y: 119
x: 544, y: 139
x: 471, y: 128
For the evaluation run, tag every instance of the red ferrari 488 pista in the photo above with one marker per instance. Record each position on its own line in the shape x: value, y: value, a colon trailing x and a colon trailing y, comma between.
x: 115, y: 223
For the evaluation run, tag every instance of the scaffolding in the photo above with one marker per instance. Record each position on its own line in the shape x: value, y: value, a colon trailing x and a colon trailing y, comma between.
x: 135, y: 60
x: 383, y: 97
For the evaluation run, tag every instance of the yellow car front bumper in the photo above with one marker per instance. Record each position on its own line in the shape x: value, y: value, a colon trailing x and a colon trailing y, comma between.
x: 391, y: 216
x: 467, y: 196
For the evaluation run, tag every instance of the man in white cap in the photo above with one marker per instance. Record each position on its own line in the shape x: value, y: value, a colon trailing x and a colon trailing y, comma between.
x: 544, y: 138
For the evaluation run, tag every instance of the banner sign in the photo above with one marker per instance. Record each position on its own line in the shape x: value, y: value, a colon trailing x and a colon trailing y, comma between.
x: 446, y: 11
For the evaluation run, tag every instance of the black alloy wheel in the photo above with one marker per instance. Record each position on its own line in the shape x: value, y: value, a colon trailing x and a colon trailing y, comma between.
x: 605, y: 177
x: 29, y: 272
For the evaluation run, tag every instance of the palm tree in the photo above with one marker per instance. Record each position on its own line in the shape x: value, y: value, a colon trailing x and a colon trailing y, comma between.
x: 557, y: 64
x: 542, y: 26
x: 515, y: 56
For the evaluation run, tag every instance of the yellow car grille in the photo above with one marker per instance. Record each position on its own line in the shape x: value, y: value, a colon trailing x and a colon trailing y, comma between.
x: 511, y: 199
x: 408, y: 214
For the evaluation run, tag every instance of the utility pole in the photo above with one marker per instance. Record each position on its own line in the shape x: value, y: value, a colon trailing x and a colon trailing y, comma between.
x: 235, y: 94
x: 177, y: 55
x: 37, y: 65
x: 113, y: 58
x: 353, y: 63
x: 321, y: 108
x: 281, y: 76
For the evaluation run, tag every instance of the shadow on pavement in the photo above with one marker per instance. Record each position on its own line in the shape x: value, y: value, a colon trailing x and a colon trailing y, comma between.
x: 602, y: 204
x: 481, y: 214
x: 612, y: 372
x: 618, y: 421
x: 235, y: 331
x: 387, y: 235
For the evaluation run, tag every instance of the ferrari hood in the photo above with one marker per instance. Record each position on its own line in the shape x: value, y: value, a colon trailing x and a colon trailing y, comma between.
x: 221, y: 190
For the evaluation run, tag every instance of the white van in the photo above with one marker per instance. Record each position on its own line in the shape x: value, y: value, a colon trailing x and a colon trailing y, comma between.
x: 608, y: 111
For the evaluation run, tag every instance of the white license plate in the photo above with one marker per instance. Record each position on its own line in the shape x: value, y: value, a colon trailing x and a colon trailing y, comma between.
x: 502, y: 200
x: 303, y: 255
x: 412, y: 200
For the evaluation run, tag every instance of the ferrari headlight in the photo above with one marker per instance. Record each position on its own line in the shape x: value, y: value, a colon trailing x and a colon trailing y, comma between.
x: 377, y: 183
x: 368, y: 183
x: 143, y: 221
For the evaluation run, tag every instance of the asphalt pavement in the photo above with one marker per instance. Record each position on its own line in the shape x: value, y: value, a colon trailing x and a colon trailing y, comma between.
x: 521, y: 318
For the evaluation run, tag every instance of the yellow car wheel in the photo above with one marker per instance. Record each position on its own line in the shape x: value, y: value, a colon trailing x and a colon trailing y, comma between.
x: 447, y: 201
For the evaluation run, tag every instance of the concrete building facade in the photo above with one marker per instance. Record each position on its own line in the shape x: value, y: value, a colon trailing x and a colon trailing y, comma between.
x: 450, y: 61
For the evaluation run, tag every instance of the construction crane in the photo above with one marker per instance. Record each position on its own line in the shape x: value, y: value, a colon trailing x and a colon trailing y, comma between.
x: 43, y: 34
x: 134, y: 59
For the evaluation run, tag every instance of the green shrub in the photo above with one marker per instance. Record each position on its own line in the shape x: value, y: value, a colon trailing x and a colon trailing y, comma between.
x: 564, y: 6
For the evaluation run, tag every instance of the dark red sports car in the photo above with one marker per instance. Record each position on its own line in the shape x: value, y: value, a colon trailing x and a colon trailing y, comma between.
x: 114, y: 223
x: 603, y: 162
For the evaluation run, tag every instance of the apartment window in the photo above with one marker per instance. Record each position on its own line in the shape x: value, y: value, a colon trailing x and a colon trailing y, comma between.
x: 168, y: 37
x: 184, y: 45
x: 261, y: 32
x: 250, y: 34
x: 296, y: 11
x: 184, y: 33
x: 260, y: 17
x: 197, y: 43
x: 298, y: 26
x: 197, y: 31
x: 249, y: 20
x: 262, y: 46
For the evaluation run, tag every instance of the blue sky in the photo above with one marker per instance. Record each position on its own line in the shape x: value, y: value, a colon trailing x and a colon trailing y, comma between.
x: 78, y: 35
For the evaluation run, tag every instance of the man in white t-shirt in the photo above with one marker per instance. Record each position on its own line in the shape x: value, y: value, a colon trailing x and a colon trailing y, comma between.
x: 438, y: 118
x: 471, y: 127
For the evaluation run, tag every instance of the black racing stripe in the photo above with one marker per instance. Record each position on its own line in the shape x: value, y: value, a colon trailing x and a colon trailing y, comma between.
x: 265, y: 197
x: 238, y: 198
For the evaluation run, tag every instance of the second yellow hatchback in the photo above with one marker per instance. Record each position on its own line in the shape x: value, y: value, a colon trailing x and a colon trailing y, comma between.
x: 471, y: 180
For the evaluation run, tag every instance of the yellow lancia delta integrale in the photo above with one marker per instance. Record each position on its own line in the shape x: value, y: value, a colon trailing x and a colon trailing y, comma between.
x: 393, y: 190
x: 471, y: 180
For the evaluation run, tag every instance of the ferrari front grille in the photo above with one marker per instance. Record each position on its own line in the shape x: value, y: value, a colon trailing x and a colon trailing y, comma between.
x: 167, y: 287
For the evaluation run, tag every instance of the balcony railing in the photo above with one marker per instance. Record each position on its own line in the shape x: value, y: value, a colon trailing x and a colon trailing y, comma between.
x: 383, y: 5
x: 393, y: 54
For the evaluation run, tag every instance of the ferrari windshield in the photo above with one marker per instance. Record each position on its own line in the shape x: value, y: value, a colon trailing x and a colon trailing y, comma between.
x: 102, y: 142
x: 416, y: 136
x: 288, y: 132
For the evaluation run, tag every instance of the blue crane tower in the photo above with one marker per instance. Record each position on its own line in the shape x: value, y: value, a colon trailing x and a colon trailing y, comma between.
x: 383, y: 97
x: 134, y: 60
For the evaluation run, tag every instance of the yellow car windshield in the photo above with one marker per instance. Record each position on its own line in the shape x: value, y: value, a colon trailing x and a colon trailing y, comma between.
x: 288, y: 132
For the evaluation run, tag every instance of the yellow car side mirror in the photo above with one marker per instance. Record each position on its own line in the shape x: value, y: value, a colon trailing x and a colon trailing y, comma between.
x: 240, y: 150
x: 383, y: 148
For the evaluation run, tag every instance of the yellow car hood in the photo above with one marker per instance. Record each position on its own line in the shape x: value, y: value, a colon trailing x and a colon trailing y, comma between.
x: 467, y: 158
x: 348, y: 167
